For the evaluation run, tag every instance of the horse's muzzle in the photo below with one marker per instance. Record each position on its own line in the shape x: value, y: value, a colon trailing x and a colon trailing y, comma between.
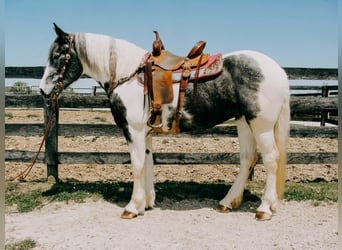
x: 47, y: 98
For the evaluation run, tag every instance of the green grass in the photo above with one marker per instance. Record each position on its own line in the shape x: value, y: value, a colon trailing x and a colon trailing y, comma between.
x: 316, y: 191
x: 301, y: 191
x: 9, y: 115
x: 25, y: 197
x: 24, y: 201
x: 21, y: 245
x: 33, y: 116
x: 100, y: 119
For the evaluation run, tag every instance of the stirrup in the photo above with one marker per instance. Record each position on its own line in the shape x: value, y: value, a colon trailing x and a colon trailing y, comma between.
x: 160, y: 125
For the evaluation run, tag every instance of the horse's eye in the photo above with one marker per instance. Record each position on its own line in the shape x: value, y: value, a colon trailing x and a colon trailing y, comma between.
x: 65, y: 47
x: 55, y: 56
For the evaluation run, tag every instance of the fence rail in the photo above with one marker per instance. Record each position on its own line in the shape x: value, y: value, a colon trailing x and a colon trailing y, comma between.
x: 164, y: 158
x: 293, y: 73
x: 298, y: 104
x: 69, y: 130
x: 324, y: 102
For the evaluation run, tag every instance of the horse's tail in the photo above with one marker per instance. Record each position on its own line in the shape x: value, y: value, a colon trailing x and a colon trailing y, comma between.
x: 281, y: 131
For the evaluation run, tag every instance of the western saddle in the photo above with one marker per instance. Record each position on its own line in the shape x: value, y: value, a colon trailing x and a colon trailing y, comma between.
x: 158, y: 80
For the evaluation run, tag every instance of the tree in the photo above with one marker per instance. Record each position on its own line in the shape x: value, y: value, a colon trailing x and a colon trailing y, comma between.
x: 20, y: 87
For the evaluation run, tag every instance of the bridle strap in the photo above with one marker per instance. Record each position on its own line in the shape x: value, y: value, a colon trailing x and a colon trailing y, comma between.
x: 59, y: 87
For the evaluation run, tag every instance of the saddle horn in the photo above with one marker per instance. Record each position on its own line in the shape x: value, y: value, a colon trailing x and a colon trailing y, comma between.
x: 157, y: 45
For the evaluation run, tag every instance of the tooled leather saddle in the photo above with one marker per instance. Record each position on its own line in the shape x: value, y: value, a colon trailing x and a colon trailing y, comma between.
x: 163, y: 69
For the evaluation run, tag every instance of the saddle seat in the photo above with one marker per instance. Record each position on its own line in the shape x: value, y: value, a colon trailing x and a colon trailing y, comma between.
x: 168, y: 61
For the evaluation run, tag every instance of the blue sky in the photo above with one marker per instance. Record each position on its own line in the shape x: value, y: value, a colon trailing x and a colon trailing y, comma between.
x: 296, y: 33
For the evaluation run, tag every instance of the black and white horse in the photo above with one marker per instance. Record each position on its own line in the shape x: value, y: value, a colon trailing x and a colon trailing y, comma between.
x: 252, y: 88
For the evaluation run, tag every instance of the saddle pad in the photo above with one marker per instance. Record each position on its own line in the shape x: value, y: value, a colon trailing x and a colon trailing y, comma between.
x: 213, y: 67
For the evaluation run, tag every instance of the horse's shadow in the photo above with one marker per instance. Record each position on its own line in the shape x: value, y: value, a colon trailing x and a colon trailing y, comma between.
x: 169, y: 195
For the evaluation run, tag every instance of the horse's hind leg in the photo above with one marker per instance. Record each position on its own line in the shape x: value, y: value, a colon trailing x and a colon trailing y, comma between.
x: 248, y: 158
x: 266, y: 141
x: 149, y: 175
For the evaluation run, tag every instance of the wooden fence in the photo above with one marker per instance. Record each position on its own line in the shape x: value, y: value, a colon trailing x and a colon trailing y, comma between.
x: 52, y: 157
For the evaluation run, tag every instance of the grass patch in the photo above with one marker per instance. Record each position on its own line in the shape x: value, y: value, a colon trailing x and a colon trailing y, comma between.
x: 72, y: 193
x: 25, y: 202
x: 9, y: 115
x: 25, y: 197
x: 100, y: 119
x: 33, y: 116
x: 315, y: 191
x: 165, y: 141
x: 301, y: 191
x: 21, y: 245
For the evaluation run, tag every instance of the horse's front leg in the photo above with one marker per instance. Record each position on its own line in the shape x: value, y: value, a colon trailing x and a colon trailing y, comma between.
x: 149, y: 174
x: 137, y: 149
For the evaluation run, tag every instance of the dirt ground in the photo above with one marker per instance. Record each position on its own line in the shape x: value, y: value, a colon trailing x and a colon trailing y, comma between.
x: 191, y: 224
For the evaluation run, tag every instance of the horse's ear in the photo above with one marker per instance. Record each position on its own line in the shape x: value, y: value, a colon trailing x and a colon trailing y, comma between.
x: 60, y: 33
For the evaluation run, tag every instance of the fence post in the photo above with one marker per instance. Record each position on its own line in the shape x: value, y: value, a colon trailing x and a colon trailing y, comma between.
x: 93, y: 90
x: 51, y: 143
x: 324, y: 113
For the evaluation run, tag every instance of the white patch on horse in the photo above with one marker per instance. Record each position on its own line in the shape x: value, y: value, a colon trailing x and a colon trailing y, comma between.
x: 107, y: 59
x: 45, y: 86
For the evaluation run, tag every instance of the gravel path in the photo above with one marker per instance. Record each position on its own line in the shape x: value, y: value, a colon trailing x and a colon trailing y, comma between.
x: 96, y: 225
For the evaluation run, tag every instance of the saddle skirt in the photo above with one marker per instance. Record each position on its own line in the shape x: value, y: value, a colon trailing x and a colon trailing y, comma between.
x: 212, y: 67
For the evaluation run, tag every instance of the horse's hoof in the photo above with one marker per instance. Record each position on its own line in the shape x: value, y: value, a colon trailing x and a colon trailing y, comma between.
x: 223, y: 209
x: 128, y: 215
x: 262, y: 216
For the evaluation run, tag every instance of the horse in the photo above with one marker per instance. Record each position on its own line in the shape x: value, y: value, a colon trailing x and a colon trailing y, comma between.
x: 252, y: 88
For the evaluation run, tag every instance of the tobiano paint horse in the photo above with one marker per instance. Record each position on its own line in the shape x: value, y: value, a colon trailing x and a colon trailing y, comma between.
x: 252, y: 88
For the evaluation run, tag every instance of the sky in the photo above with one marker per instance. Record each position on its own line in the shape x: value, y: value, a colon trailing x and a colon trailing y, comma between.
x: 296, y: 33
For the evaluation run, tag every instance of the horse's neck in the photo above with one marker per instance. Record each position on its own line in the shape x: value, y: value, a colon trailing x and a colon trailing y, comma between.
x: 106, y: 59
x: 129, y: 57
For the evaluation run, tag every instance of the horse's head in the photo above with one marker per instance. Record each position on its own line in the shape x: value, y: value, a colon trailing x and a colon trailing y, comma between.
x: 63, y: 67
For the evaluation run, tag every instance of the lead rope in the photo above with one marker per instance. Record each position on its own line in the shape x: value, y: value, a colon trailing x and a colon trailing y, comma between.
x: 60, y: 85
x: 22, y: 175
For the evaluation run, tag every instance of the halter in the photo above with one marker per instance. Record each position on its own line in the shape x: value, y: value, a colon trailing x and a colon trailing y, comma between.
x: 59, y: 87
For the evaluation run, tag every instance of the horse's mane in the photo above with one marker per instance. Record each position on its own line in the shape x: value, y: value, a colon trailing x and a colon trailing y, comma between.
x: 106, y: 58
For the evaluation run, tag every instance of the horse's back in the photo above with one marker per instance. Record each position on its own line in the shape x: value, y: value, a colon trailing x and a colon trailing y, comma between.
x: 270, y: 69
x: 263, y: 78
